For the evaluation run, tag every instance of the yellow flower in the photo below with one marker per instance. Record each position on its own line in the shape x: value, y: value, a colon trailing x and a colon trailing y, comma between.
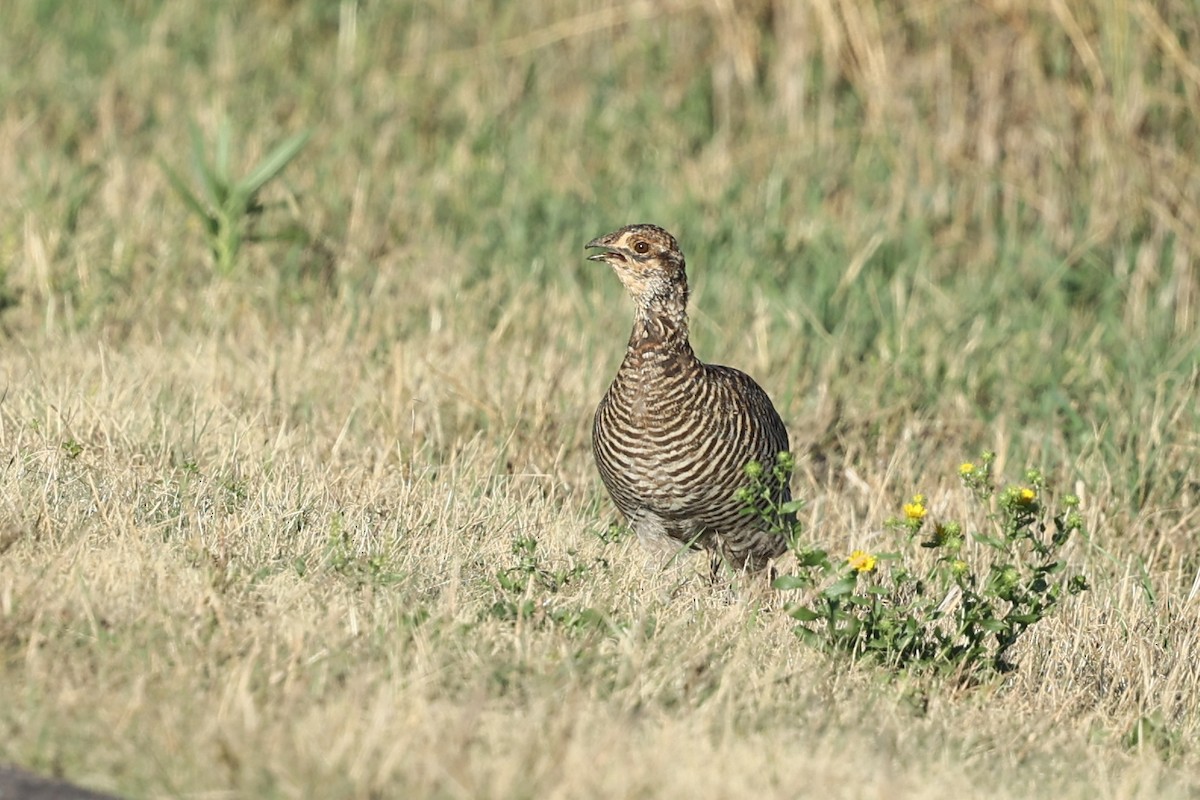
x: 861, y: 561
x: 1027, y: 495
x: 966, y: 468
x: 916, y: 510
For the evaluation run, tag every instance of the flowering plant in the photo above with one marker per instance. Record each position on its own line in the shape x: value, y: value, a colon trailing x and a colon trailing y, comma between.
x: 957, y: 602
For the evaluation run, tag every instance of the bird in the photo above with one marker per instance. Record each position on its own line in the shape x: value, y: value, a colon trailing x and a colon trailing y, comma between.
x: 673, y: 435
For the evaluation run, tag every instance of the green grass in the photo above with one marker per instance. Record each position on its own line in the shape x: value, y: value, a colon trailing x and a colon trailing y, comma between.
x: 252, y: 525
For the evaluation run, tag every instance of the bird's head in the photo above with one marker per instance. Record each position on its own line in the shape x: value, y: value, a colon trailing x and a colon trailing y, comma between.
x: 648, y: 261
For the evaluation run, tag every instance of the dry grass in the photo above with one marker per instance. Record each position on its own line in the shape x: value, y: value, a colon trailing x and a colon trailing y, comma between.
x: 175, y: 629
x: 250, y: 527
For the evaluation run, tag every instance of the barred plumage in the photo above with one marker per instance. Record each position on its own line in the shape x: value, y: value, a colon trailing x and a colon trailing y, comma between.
x: 673, y: 435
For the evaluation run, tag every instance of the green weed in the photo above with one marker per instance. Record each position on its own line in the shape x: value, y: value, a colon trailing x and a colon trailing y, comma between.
x: 530, y: 589
x: 227, y: 207
x: 343, y: 558
x: 951, y: 609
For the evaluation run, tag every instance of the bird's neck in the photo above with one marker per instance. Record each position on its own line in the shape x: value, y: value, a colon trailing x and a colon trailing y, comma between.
x: 660, y: 329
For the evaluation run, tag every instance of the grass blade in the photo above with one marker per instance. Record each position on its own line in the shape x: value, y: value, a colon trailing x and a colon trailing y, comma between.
x: 187, y: 195
x: 221, y: 153
x: 270, y: 166
x: 214, y: 188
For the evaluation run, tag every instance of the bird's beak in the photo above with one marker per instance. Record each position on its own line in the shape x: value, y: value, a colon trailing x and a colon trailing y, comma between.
x: 608, y: 254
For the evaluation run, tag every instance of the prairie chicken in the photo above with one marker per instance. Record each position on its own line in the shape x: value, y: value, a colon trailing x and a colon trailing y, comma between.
x: 673, y: 435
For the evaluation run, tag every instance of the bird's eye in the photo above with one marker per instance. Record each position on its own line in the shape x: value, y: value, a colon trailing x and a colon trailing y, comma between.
x: 641, y: 246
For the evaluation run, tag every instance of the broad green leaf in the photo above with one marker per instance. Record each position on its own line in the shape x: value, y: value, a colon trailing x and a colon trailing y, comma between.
x: 842, y: 587
x: 812, y: 558
x: 810, y: 637
x: 803, y: 614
